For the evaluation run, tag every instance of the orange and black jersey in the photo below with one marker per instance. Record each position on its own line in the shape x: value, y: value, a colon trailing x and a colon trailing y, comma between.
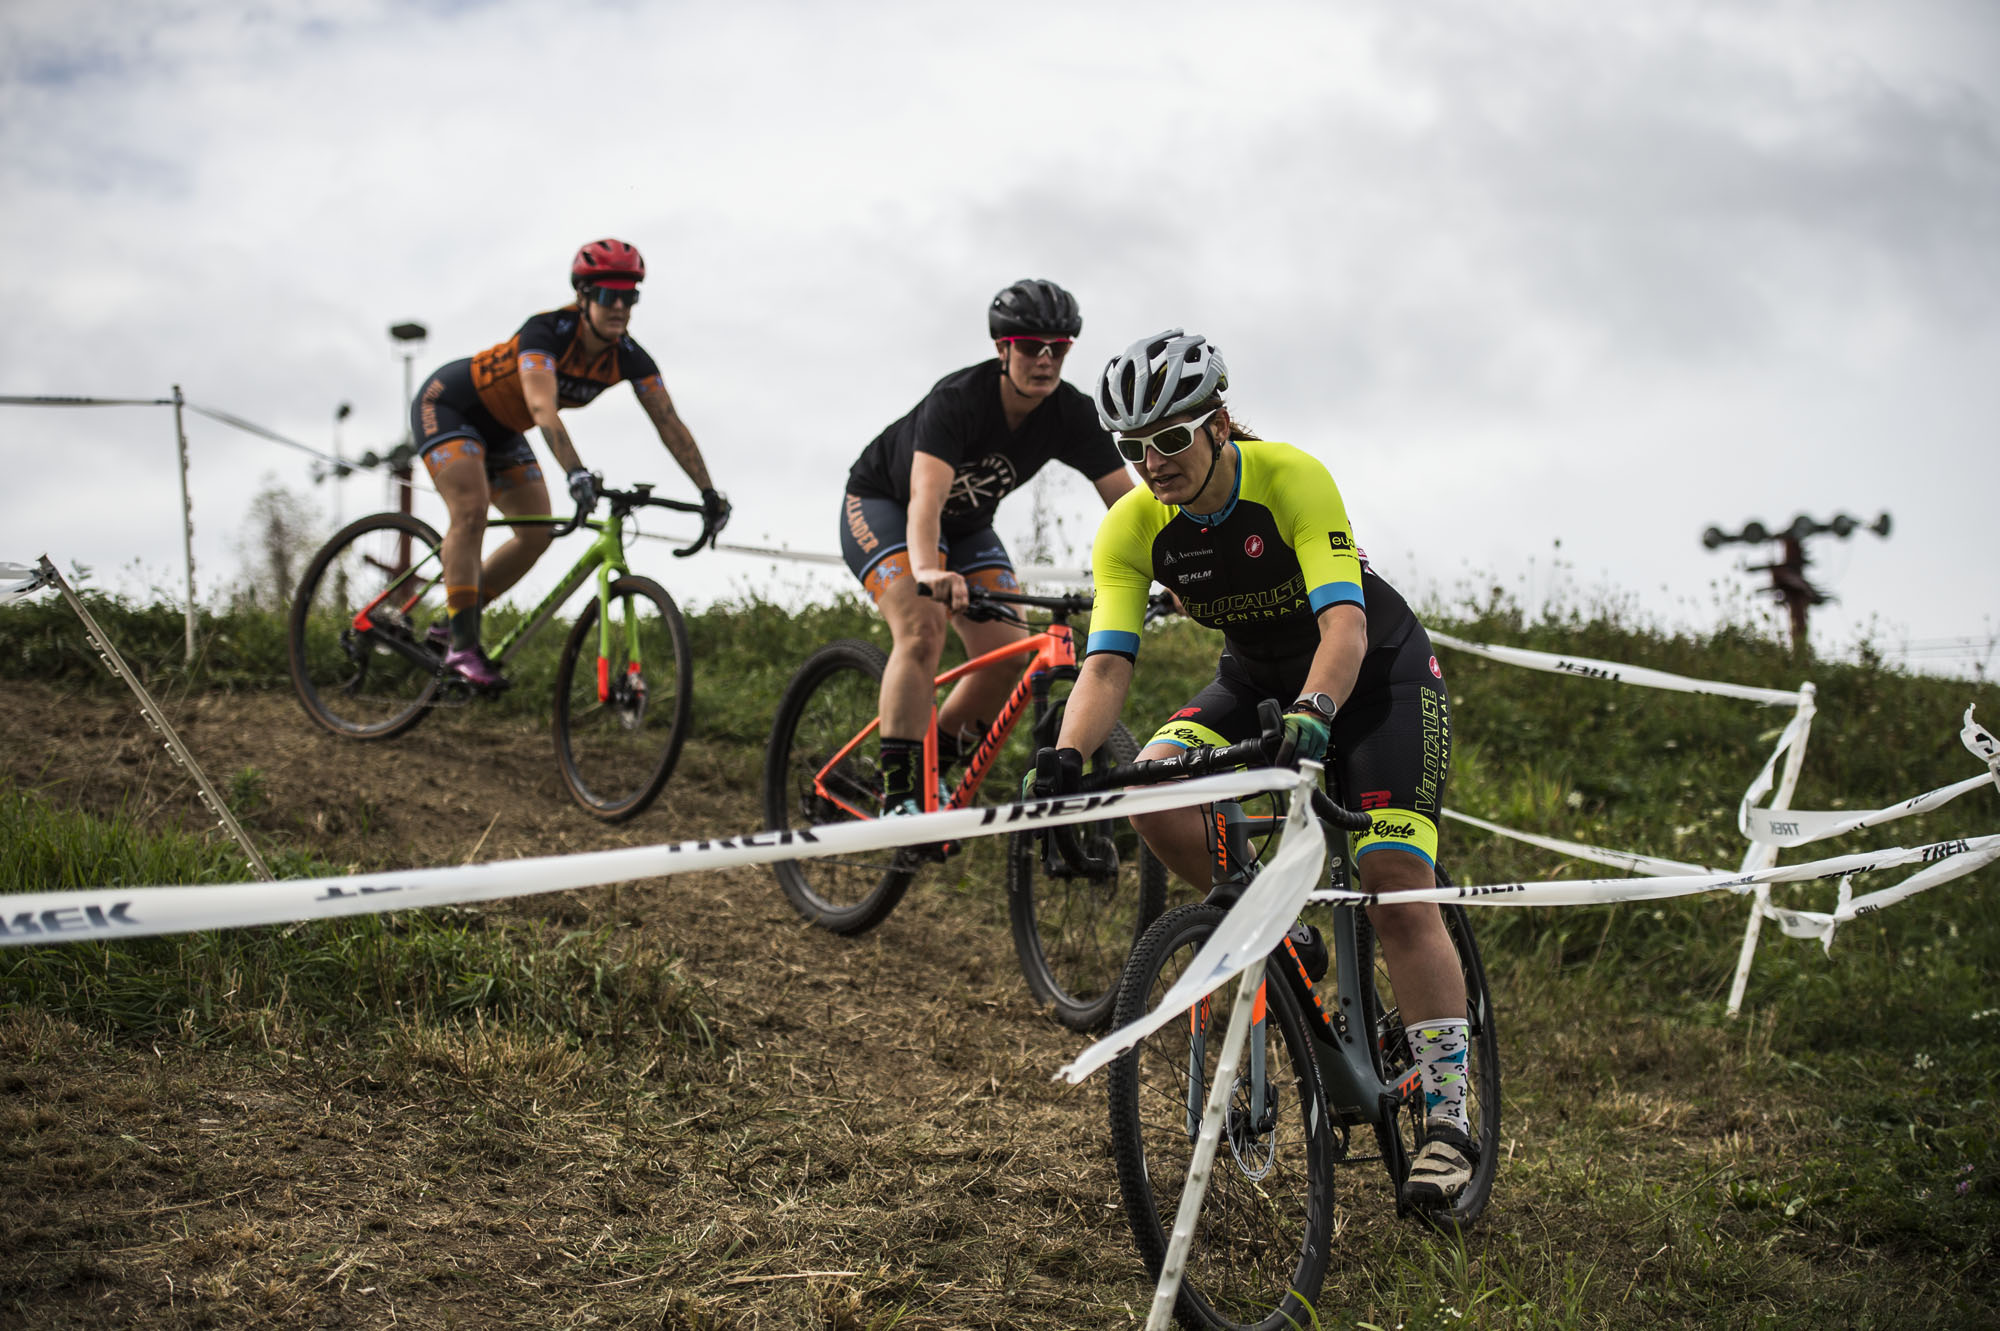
x: 552, y: 341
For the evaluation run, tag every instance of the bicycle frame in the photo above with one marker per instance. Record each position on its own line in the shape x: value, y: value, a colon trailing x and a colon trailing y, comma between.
x: 605, y: 556
x: 1354, y: 1093
x: 1052, y: 653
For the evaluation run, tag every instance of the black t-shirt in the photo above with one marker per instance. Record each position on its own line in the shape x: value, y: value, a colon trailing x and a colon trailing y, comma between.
x: 961, y: 421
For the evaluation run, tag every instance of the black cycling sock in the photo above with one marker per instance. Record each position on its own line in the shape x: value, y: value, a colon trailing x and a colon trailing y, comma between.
x: 952, y: 749
x: 465, y: 628
x: 900, y: 761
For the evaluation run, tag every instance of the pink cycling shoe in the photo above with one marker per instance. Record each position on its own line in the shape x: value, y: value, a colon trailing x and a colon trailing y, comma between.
x: 471, y: 665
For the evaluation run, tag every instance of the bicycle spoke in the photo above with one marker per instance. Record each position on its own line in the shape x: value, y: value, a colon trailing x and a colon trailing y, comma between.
x: 377, y: 682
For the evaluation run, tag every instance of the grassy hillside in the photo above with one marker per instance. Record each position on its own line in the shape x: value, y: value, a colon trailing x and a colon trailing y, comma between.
x: 1827, y: 1160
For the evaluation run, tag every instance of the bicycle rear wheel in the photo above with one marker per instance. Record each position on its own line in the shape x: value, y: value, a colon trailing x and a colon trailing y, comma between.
x: 377, y: 681
x: 820, y: 769
x: 622, y: 704
x: 1260, y: 1248
x: 1400, y: 1136
x: 1074, y: 931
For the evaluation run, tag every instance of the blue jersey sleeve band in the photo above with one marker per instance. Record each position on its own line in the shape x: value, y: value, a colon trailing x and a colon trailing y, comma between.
x: 1333, y: 593
x: 1111, y: 640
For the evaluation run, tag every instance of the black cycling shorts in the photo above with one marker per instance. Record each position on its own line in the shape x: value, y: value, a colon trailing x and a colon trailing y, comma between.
x: 1391, y: 743
x: 874, y: 539
x: 447, y: 409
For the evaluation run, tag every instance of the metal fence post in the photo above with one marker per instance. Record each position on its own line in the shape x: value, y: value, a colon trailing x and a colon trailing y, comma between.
x: 187, y: 517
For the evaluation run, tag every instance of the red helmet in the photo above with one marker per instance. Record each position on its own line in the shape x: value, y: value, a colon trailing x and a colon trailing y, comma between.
x: 607, y: 263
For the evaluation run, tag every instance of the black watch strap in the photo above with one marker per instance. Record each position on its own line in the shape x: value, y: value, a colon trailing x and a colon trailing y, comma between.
x: 1321, y: 703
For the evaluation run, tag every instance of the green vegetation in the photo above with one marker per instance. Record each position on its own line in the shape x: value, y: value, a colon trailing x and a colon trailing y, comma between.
x: 1827, y: 1160
x: 331, y: 978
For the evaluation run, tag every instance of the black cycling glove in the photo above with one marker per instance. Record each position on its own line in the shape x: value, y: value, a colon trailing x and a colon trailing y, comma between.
x: 1306, y: 735
x: 583, y: 489
x: 1065, y: 767
x: 714, y: 510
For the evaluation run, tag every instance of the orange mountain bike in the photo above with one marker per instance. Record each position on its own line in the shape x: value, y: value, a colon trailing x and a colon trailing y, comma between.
x: 1077, y: 904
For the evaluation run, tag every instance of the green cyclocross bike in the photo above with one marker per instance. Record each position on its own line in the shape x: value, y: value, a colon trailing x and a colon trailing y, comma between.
x: 366, y: 642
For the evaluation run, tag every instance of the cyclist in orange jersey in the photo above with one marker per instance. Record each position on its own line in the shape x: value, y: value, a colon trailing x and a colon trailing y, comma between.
x: 470, y: 421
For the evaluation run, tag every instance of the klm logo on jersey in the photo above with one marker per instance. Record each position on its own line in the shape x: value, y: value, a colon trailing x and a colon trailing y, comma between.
x: 575, y: 392
x: 1250, y: 605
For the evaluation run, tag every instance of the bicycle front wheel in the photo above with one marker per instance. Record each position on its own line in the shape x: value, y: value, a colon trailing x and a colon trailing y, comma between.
x: 1073, y: 931
x: 624, y: 691
x: 356, y: 638
x: 822, y: 767
x: 1259, y: 1251
x: 1400, y: 1136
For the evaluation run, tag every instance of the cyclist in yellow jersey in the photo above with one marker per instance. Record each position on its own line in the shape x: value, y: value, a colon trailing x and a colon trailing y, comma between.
x: 1253, y: 537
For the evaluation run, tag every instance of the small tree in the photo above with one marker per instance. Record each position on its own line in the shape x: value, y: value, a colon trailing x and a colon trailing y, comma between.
x: 281, y: 530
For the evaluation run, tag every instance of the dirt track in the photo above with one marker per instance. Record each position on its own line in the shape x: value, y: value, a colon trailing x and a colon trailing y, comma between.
x: 885, y: 1114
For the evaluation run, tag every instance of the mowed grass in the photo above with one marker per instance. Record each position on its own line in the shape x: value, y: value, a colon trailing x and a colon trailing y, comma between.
x: 1826, y: 1160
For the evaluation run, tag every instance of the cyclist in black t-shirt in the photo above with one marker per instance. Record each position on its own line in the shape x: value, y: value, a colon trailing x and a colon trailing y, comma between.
x: 919, y: 510
x: 470, y: 421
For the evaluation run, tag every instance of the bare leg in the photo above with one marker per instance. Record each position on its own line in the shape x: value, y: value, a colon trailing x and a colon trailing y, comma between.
x: 916, y: 634
x: 977, y: 698
x: 1179, y: 837
x: 512, y: 559
x: 1423, y: 965
x: 460, y: 477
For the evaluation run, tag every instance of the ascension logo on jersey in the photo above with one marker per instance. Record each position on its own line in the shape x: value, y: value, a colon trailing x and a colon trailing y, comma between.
x: 980, y: 484
x: 1254, y: 546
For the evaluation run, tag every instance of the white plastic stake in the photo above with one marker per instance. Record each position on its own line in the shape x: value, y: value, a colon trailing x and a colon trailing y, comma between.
x: 1199, y: 1168
x: 1762, y: 855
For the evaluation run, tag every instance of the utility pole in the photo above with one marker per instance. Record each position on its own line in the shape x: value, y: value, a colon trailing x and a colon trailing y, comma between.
x: 1788, y: 574
x: 410, y: 336
x: 340, y: 467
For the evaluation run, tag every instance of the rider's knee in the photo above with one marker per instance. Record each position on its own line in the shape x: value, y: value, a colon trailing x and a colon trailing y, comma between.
x: 921, y: 634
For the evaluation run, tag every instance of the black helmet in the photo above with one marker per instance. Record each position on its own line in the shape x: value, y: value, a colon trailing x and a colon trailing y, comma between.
x: 1034, y: 307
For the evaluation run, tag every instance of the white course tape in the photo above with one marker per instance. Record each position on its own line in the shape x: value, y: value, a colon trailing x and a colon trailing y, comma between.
x: 1615, y: 673
x: 126, y: 912
x: 1247, y: 934
x: 1815, y: 924
x: 1617, y: 859
x: 18, y: 581
x: 1798, y: 827
x: 1947, y: 860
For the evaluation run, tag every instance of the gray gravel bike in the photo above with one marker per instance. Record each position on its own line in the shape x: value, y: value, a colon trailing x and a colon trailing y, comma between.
x: 1327, y: 1059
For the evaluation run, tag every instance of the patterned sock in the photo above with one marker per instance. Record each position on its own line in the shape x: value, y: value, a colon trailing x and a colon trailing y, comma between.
x: 1439, y: 1049
x: 900, y: 760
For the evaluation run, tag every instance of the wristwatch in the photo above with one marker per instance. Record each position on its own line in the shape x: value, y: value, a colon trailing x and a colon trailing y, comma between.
x: 1317, y: 702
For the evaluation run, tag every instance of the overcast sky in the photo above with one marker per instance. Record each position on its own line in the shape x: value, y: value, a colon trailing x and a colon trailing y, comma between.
x: 1520, y: 274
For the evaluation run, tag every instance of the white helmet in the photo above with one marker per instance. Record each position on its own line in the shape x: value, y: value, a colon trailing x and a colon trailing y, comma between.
x: 1158, y: 376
